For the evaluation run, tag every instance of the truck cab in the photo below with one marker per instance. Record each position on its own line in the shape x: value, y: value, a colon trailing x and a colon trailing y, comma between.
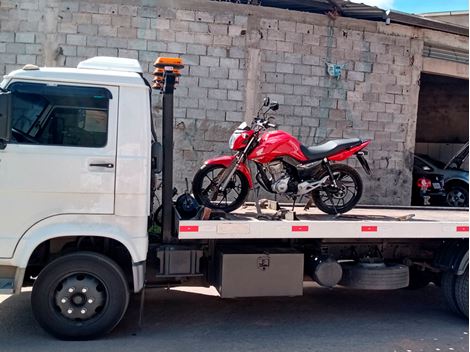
x: 77, y: 162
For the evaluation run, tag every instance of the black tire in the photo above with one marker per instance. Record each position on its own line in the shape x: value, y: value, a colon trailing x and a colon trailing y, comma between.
x: 461, y: 293
x: 457, y: 196
x: 369, y: 277
x: 103, y: 281
x: 448, y: 289
x: 203, y: 198
x: 321, y: 197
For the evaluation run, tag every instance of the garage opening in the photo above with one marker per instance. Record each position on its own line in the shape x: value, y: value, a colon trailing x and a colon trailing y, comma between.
x: 442, y: 122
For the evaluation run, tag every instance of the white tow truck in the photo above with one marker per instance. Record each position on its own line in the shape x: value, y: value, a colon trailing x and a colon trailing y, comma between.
x: 78, y: 166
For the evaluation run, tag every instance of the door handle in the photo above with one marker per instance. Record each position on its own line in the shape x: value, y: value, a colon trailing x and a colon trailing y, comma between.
x: 106, y: 165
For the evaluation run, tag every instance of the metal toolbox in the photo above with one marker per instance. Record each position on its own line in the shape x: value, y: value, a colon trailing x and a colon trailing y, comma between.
x: 275, y: 272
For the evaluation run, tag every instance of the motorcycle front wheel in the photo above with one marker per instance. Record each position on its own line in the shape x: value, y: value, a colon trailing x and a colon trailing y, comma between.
x: 206, y: 185
x: 340, y: 199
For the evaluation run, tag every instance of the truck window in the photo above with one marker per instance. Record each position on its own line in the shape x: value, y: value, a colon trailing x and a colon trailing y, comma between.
x: 59, y: 115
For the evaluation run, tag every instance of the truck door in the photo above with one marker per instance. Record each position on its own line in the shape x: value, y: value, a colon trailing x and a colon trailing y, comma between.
x: 61, y: 159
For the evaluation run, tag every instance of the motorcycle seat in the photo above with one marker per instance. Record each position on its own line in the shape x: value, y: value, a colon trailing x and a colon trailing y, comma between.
x: 329, y: 148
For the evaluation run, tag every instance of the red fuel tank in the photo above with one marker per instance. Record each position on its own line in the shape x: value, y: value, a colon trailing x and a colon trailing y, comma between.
x: 275, y: 144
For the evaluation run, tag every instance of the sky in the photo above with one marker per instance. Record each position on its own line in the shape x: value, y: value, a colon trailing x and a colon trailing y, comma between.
x: 418, y: 6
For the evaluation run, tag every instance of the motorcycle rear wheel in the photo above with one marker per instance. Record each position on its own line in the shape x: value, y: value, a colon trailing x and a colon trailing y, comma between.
x: 206, y: 184
x: 337, y: 201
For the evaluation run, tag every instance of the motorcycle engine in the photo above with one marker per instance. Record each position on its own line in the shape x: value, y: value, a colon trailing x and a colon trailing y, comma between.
x: 280, y: 179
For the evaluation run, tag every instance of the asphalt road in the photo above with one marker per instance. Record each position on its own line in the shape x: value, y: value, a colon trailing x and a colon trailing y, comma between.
x: 322, y: 320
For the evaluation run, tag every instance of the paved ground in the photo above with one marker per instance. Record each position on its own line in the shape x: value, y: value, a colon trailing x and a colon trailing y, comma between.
x: 322, y: 320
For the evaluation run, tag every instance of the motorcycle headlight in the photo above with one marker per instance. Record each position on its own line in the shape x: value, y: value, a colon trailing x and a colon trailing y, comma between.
x: 231, y: 142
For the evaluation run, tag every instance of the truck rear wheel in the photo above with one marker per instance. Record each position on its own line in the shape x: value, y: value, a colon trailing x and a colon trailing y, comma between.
x: 80, y: 296
x: 461, y: 292
x: 452, y: 290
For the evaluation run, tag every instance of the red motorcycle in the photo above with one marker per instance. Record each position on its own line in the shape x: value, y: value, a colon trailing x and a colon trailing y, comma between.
x: 284, y: 166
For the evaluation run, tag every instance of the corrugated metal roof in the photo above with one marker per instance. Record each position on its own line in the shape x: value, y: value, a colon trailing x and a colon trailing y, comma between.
x: 359, y: 11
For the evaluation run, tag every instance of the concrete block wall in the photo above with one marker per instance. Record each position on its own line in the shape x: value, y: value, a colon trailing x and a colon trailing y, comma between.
x: 235, y: 55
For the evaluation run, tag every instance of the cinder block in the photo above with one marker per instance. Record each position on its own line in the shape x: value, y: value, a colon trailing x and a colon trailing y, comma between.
x: 15, y: 48
x: 269, y: 23
x: 234, y: 116
x: 285, y: 47
x: 310, y: 80
x: 204, y: 16
x: 284, y: 68
x: 30, y: 49
x: 108, y: 9
x: 216, y: 51
x: 311, y: 39
x: 384, y: 116
x: 292, y: 79
x: 241, y: 20
x: 225, y: 18
x: 163, y: 34
x: 107, y: 51
x: 26, y: 59
x: 23, y: 37
x: 130, y: 54
x: 107, y: 31
x: 184, y: 37
x: 76, y: 39
x: 67, y: 28
x: 304, y: 28
x: 219, y: 72
x: 86, y: 51
x: 160, y: 23
x: 226, y: 105
x: 276, y: 35
x: 235, y: 95
x: 235, y: 30
x: 177, y: 48
x: 185, y: 15
x: 139, y: 44
x: 188, y: 103
x: 199, y: 71
x: 88, y: 29
x: 198, y: 27
x: 81, y: 18
x: 127, y: 10
x: 355, y: 76
x: 229, y: 63
x: 284, y: 88
x: 363, y: 67
x: 222, y: 40
x: 208, y: 82
x: 236, y: 74
x: 227, y: 83
x: 210, y: 61
x: 196, y: 49
x: 116, y: 43
x: 101, y: 20
x: 294, y: 37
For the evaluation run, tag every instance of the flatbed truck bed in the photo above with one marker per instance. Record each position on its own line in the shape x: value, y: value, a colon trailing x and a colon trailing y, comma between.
x: 361, y: 222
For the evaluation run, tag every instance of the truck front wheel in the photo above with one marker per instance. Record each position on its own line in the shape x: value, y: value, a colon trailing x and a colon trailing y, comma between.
x: 80, y: 296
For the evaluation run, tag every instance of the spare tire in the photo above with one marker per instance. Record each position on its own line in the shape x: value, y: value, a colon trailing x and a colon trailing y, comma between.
x: 375, y: 277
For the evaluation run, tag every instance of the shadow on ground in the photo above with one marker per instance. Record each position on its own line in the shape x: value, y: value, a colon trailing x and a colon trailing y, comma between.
x: 321, y: 320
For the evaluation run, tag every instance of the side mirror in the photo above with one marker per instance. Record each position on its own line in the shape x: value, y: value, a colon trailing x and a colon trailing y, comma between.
x: 274, y: 106
x: 5, y: 118
x: 266, y: 101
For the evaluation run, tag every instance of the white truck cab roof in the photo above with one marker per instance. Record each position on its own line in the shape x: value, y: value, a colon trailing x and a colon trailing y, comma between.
x: 97, y: 70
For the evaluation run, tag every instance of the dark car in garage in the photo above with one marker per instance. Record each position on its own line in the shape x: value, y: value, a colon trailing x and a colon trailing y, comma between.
x: 453, y: 177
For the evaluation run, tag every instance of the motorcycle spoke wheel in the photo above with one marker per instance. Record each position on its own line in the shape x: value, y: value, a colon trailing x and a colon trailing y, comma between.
x: 206, y: 186
x: 344, y: 196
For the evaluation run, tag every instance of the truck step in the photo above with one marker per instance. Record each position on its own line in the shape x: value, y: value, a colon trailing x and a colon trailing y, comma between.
x: 6, y: 285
